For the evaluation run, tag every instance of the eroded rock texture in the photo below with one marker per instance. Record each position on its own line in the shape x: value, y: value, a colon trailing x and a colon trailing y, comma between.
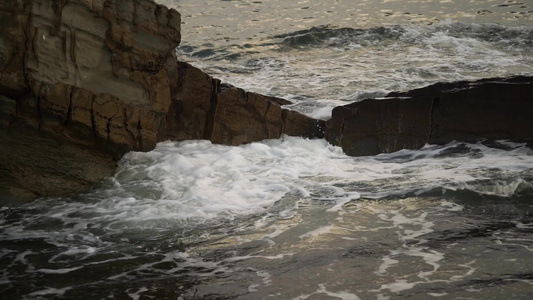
x: 205, y: 108
x: 103, y: 64
x: 84, y: 81
x: 492, y: 109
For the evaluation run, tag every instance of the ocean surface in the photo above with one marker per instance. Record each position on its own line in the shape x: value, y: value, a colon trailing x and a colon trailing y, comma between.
x: 294, y: 218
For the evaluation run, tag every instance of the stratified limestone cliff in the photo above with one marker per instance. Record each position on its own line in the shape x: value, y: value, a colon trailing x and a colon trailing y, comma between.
x: 103, y: 64
x: 491, y: 109
x: 84, y: 81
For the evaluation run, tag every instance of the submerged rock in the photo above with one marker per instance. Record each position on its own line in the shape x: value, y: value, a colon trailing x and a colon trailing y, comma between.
x: 491, y: 109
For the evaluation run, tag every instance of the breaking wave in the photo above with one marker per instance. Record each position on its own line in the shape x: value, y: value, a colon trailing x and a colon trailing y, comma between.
x: 518, y: 38
x: 343, y: 65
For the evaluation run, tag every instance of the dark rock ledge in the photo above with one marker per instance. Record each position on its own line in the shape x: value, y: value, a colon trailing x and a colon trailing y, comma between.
x: 84, y: 81
x: 491, y: 109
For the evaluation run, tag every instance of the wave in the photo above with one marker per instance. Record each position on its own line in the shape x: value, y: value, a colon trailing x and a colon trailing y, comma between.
x: 339, y: 37
x: 322, y: 67
x: 327, y: 36
x: 346, y: 38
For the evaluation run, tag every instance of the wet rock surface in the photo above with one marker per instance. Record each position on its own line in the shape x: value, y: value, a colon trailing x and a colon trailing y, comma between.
x: 375, y: 126
x: 88, y: 76
x: 207, y: 109
x: 490, y: 109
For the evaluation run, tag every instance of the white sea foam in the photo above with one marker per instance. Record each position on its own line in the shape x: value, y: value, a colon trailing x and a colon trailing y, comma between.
x: 240, y: 258
x: 398, y: 286
x: 57, y: 271
x: 196, y: 180
x: 158, y: 198
x: 344, y: 295
x: 437, y: 294
x: 317, y: 232
x: 353, y: 64
x: 137, y: 294
x: 50, y: 291
x: 470, y: 271
x: 265, y: 277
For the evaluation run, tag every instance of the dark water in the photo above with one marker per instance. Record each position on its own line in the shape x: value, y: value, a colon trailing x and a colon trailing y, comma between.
x: 283, y: 219
x: 293, y: 218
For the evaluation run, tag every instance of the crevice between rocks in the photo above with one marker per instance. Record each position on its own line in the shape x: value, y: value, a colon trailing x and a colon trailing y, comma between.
x: 69, y: 108
x: 283, y: 121
x: 58, y: 11
x: 108, y: 129
x: 126, y: 128
x: 39, y: 108
x: 210, y: 117
x: 28, y: 42
x: 73, y: 48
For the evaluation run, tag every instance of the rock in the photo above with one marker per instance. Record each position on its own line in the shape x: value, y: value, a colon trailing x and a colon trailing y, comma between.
x: 13, y: 18
x: 103, y: 65
x: 489, y: 109
x: 492, y: 109
x: 90, y: 80
x: 207, y: 109
x: 242, y: 117
x: 371, y: 127
x: 297, y: 124
x: 245, y: 117
x: 37, y: 163
x: 191, y: 107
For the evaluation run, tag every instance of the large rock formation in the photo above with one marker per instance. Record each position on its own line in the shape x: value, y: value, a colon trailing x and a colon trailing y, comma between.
x: 84, y: 81
x: 105, y: 65
x: 207, y: 109
x: 492, y: 109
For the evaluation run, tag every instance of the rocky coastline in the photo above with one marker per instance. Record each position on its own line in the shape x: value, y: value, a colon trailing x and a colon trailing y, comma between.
x: 84, y: 81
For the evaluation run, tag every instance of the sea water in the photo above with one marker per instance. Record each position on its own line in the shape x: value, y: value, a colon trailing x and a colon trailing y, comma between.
x: 294, y: 218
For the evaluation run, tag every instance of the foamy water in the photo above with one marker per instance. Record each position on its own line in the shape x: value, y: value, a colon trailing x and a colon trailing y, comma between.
x: 321, y: 54
x: 191, y: 212
x: 342, y: 65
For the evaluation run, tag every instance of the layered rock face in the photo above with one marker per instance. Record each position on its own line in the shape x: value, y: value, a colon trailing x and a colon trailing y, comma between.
x: 464, y: 111
x: 84, y: 81
x: 207, y: 109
